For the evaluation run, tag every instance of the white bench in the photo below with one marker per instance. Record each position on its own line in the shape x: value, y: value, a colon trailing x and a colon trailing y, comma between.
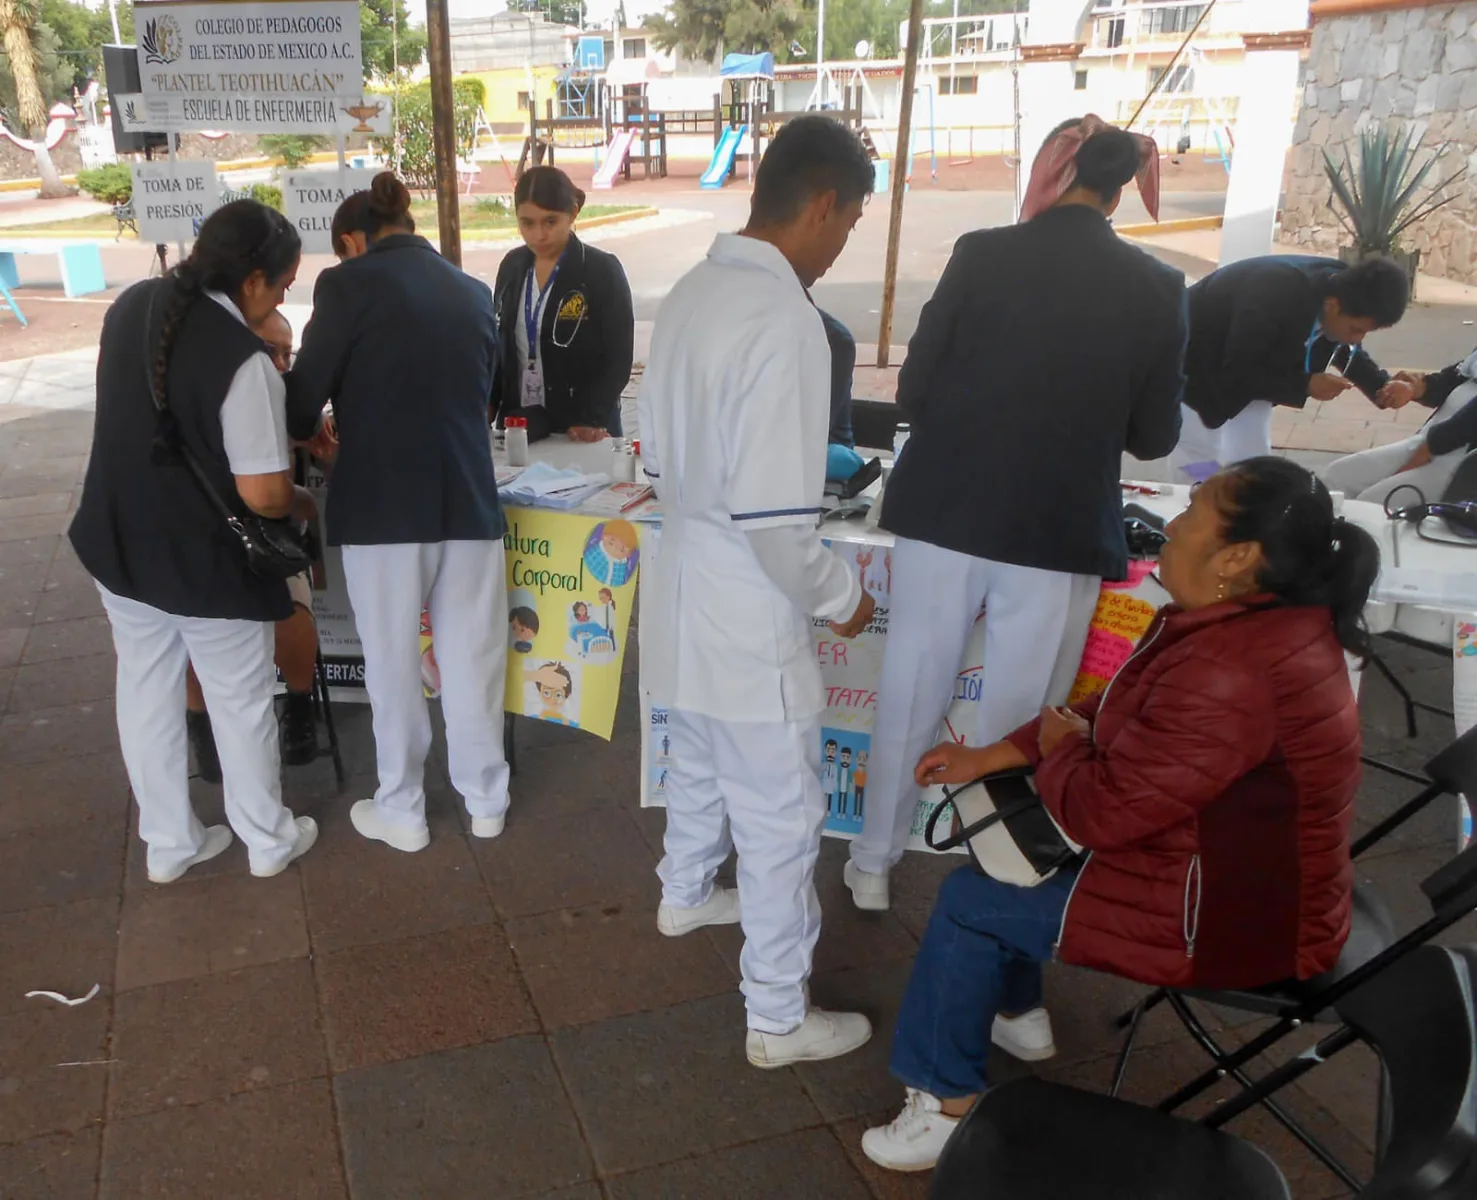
x: 80, y: 262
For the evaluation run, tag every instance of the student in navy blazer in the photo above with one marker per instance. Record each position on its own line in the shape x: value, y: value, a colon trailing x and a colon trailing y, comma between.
x: 578, y: 302
x: 404, y: 345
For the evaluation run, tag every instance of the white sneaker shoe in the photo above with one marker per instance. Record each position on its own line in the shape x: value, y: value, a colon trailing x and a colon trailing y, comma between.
x: 487, y: 827
x: 1026, y: 1037
x: 820, y: 1036
x: 868, y: 891
x: 307, y: 834
x: 915, y: 1140
x: 720, y: 908
x: 369, y: 821
x: 217, y: 839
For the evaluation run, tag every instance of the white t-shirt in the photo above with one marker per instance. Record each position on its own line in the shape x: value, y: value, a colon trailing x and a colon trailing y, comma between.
x: 734, y: 412
x: 254, y: 412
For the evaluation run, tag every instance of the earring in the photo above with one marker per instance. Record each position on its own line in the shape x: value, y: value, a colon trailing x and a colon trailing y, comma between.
x: 1220, y: 591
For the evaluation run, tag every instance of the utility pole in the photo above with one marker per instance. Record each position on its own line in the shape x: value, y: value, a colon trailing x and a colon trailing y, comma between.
x: 899, y: 180
x: 443, y: 130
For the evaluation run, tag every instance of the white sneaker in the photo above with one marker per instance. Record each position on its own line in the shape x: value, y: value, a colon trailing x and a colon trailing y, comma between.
x: 1026, y: 1037
x: 820, y: 1036
x: 217, y: 839
x: 915, y: 1140
x: 868, y: 891
x: 369, y: 821
x: 307, y: 834
x: 487, y: 827
x: 720, y: 908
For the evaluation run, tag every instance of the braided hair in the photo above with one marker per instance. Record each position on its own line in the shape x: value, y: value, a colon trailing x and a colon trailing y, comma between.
x: 235, y: 242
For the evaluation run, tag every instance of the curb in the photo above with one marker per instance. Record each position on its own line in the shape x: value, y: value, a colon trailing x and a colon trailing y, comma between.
x: 1183, y: 225
x: 235, y: 164
x: 495, y: 237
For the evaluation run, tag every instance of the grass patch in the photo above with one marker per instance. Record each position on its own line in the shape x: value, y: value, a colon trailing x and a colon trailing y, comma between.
x: 89, y: 226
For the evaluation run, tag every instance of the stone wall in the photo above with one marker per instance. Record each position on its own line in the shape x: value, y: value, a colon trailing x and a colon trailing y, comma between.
x: 1413, y: 64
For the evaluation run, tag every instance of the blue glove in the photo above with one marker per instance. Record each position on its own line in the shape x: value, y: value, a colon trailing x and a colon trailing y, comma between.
x: 842, y: 462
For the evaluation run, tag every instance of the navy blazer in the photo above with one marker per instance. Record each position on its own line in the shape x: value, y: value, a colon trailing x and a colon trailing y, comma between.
x: 404, y: 344
x: 586, y: 340
x: 1047, y: 350
x: 1249, y: 327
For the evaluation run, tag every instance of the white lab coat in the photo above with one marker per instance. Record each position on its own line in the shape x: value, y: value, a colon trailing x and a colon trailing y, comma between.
x: 734, y: 411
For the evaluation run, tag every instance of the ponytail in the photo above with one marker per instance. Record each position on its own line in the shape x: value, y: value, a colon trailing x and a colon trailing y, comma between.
x: 1309, y: 557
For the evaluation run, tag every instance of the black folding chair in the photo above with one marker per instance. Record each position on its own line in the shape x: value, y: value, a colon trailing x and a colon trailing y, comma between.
x: 1371, y: 951
x: 1034, y: 1140
x: 324, y: 707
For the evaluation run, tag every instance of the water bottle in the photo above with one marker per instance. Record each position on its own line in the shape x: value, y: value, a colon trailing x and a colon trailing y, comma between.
x: 899, y: 440
x: 516, y: 441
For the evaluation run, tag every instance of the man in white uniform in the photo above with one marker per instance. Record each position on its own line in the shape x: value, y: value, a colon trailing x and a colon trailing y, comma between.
x: 734, y: 411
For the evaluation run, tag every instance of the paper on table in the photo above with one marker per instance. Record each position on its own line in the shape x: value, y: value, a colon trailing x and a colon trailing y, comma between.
x: 544, y: 486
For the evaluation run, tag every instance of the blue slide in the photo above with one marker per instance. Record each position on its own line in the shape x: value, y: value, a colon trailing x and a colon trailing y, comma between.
x: 717, y: 173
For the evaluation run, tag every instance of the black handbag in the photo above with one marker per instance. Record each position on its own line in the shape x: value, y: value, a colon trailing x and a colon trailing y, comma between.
x: 1006, y: 829
x: 275, y: 547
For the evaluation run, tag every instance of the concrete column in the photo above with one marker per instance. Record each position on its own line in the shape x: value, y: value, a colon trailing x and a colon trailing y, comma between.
x: 1265, y: 115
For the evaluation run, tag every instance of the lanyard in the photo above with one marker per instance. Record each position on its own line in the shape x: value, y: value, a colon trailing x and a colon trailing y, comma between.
x: 1312, y: 341
x: 533, y: 313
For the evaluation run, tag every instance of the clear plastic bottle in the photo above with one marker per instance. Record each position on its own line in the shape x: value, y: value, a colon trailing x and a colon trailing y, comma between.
x: 516, y: 440
x: 899, y: 440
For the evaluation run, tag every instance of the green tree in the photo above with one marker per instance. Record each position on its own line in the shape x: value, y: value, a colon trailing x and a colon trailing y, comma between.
x: 708, y: 29
x: 417, y: 147
x: 18, y: 37
x: 383, y: 24
x: 53, y: 75
x: 82, y: 33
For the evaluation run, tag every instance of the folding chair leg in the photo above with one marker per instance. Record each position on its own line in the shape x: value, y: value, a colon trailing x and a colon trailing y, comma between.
x: 510, y: 748
x: 321, y: 683
x: 1131, y: 1021
x: 1401, y: 690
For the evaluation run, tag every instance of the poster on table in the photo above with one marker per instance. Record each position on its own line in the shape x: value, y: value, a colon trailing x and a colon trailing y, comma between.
x: 571, y: 583
x: 310, y: 198
x: 273, y: 66
x: 172, y: 200
x: 851, y: 670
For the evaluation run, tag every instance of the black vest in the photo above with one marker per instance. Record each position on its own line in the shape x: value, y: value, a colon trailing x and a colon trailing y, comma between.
x: 143, y: 530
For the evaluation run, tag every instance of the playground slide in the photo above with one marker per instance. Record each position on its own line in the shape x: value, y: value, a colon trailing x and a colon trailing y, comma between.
x: 615, y: 157
x: 717, y: 173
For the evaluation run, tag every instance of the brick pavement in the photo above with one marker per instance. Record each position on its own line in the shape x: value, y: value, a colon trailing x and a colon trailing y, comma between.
x: 478, y: 1020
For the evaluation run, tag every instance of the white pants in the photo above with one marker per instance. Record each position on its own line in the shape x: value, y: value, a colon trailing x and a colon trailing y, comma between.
x: 1035, y: 630
x: 233, y: 661
x: 1246, y: 435
x: 461, y: 585
x: 1373, y: 474
x: 754, y: 787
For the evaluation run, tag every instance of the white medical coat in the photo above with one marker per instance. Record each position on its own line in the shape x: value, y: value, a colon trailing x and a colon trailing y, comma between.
x: 734, y: 410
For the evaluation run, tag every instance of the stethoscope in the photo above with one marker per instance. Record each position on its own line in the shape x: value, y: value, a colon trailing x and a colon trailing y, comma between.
x: 533, y: 314
x: 1339, y: 347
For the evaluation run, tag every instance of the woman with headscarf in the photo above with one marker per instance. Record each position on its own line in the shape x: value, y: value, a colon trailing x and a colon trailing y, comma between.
x: 1049, y: 348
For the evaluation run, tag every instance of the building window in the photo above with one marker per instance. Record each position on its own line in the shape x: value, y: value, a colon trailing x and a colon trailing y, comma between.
x: 1177, y: 19
x: 610, y: 51
x: 959, y: 85
x: 1079, y: 81
x: 524, y: 99
x: 1181, y: 79
x: 635, y: 47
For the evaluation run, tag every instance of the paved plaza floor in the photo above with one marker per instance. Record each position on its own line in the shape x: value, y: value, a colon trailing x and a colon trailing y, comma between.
x: 483, y: 1019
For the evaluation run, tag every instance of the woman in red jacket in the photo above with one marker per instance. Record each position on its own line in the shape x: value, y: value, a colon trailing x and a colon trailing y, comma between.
x: 1212, y: 785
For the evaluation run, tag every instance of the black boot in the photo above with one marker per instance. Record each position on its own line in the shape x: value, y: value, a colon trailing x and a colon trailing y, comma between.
x: 299, y: 730
x: 202, y: 740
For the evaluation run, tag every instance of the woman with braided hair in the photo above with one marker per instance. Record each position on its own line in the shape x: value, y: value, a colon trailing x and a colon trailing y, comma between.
x: 173, y: 577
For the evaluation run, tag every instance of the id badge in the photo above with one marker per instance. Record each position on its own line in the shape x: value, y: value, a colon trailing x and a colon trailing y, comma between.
x: 533, y: 387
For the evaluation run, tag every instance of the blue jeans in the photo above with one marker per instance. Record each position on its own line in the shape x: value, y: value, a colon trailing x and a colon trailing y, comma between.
x: 981, y: 955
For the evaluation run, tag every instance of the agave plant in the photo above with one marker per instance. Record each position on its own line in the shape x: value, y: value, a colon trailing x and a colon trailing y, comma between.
x: 1376, y: 195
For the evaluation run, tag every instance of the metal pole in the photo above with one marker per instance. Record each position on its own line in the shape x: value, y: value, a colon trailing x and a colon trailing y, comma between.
x: 113, y: 12
x: 820, y: 51
x: 899, y: 180
x: 443, y: 129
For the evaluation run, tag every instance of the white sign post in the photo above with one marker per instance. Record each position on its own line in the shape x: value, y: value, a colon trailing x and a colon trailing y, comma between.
x: 310, y: 198
x: 279, y: 66
x: 172, y: 199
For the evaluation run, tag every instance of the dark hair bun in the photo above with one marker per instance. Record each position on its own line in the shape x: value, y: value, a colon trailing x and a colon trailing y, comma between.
x: 389, y: 199
x: 1107, y: 160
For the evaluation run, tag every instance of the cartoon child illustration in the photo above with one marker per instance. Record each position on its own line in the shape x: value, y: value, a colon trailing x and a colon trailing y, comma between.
x: 522, y: 628
x: 611, y: 555
x: 555, y: 686
x: 859, y: 784
x: 843, y: 781
x: 607, y: 616
x: 828, y: 774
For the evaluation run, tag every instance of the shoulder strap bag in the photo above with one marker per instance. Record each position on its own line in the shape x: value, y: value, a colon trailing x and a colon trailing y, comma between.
x: 275, y: 548
x: 1006, y: 829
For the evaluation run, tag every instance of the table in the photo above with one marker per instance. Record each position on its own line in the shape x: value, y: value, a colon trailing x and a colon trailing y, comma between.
x: 80, y: 263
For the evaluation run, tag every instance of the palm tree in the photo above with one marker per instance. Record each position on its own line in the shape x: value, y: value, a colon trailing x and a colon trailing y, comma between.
x: 17, y: 18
